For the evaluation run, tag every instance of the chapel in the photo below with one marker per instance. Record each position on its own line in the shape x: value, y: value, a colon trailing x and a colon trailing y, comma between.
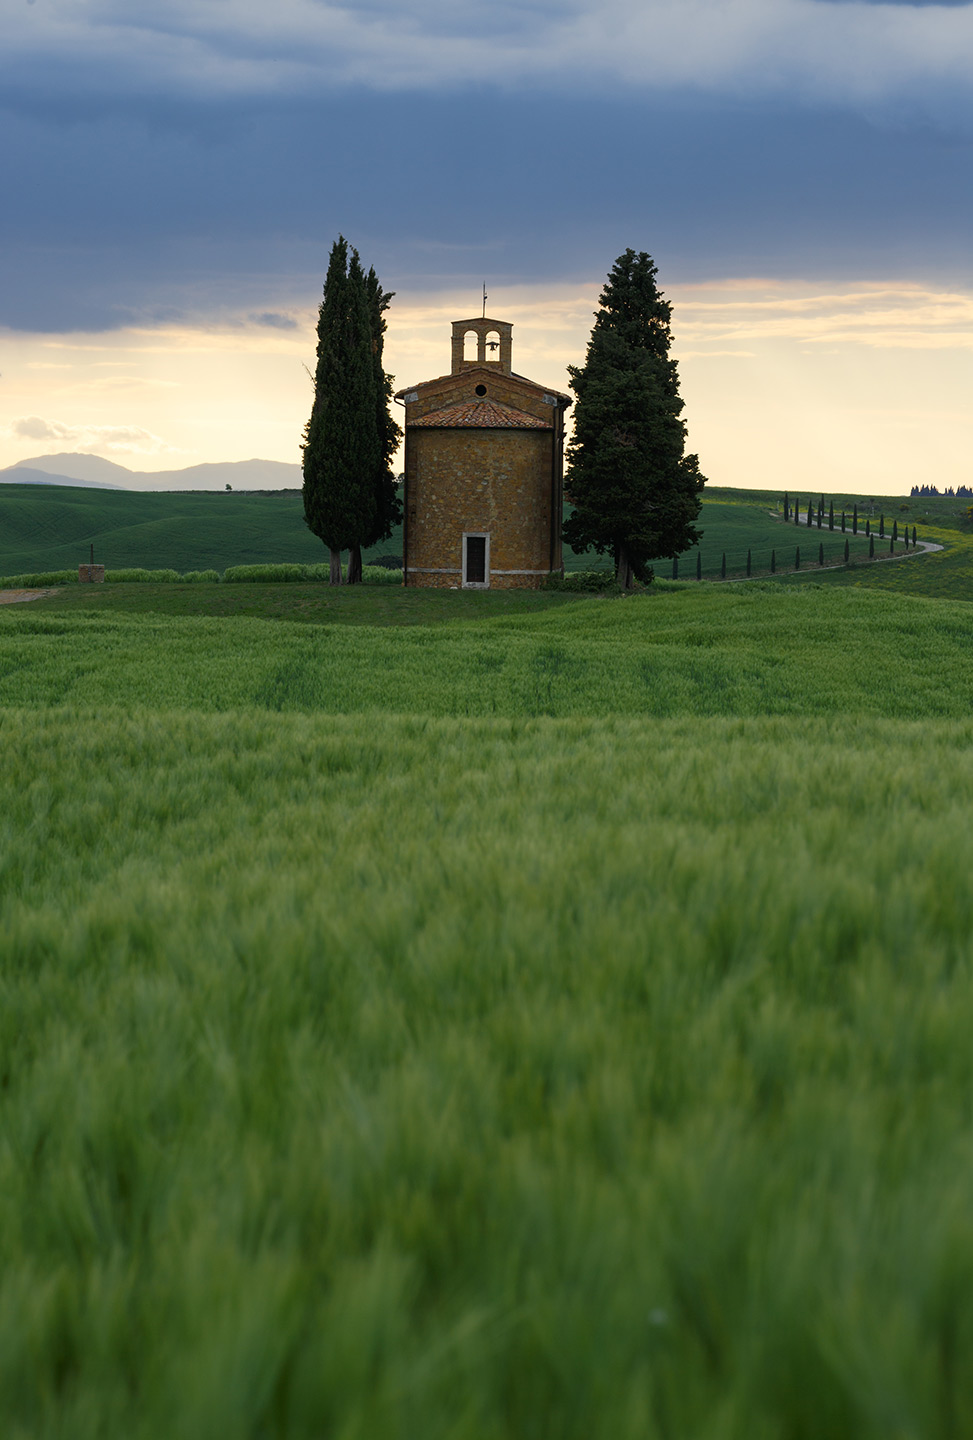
x: 484, y: 469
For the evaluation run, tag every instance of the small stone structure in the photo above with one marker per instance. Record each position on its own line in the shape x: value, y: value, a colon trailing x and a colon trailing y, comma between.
x: 484, y: 465
x: 91, y: 574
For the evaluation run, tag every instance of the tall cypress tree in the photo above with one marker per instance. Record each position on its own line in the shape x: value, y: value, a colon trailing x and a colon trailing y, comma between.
x: 388, y: 505
x: 635, y: 493
x: 344, y: 441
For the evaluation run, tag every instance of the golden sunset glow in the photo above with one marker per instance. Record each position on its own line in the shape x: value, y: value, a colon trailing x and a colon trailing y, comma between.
x: 859, y: 387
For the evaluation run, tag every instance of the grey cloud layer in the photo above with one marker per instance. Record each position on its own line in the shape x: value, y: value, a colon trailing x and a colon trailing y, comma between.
x: 197, y: 157
x: 129, y: 218
x: 818, y: 48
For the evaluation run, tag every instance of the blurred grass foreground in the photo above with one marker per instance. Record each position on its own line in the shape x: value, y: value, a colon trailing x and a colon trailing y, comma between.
x: 552, y: 1023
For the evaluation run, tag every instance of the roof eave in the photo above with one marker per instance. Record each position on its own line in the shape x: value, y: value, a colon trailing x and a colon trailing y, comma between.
x: 484, y: 370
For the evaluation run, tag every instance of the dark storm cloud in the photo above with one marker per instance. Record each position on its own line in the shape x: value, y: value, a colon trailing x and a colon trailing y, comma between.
x: 163, y: 163
x: 125, y: 218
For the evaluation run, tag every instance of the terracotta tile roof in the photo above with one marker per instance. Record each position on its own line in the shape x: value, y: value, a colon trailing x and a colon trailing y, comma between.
x: 489, y: 414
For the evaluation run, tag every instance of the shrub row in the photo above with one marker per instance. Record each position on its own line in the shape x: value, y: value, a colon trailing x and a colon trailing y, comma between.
x: 37, y: 579
x: 590, y: 581
x: 135, y: 576
x: 381, y: 575
x: 279, y: 574
x: 282, y: 573
x: 287, y: 574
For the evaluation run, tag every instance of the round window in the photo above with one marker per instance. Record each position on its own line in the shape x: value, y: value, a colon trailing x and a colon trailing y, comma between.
x: 481, y: 389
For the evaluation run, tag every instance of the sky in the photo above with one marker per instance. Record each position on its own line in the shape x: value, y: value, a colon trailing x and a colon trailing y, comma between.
x: 175, y: 172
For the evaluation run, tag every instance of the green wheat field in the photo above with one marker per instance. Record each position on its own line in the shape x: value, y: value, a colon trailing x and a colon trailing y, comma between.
x: 475, y: 1017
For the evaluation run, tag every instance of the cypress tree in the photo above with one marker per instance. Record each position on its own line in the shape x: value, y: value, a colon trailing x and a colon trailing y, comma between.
x: 786, y: 508
x: 842, y: 522
x: 634, y: 490
x: 372, y: 433
x: 871, y: 548
x: 723, y: 567
x: 881, y: 527
x: 895, y: 529
x: 913, y: 537
x: 797, y: 558
x: 821, y: 553
x: 846, y: 550
x: 854, y: 522
x: 831, y: 516
x: 868, y: 524
x: 797, y: 513
x: 748, y: 564
x: 342, y: 447
x: 810, y: 513
x: 388, y: 505
x: 773, y: 562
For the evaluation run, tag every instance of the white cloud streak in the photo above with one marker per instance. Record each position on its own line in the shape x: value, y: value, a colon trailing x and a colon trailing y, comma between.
x: 849, y: 52
x: 729, y: 319
x: 910, y: 317
x: 89, y: 439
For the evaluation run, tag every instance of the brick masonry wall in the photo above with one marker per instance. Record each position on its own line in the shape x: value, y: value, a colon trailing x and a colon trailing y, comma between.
x: 491, y: 481
x: 497, y: 582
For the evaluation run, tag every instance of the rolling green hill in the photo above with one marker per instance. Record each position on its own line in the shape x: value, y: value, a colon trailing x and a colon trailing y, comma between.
x: 735, y: 521
x: 732, y: 527
x: 51, y: 528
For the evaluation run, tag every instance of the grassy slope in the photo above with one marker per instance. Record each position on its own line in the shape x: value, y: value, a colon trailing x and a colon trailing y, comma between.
x: 52, y: 528
x: 707, y: 650
x: 532, y: 1024
x: 386, y: 604
x: 944, y: 575
x: 735, y: 526
x: 736, y: 521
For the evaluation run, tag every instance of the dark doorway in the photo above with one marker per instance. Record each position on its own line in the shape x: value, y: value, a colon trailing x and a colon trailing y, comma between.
x: 475, y: 560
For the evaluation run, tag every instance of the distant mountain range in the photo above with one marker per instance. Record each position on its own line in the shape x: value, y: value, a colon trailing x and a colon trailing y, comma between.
x: 93, y: 470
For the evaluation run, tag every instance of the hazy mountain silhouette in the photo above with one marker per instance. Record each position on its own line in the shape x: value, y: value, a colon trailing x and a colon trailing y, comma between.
x: 74, y: 469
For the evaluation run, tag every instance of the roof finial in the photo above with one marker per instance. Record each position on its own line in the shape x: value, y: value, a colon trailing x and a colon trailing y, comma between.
x: 483, y: 316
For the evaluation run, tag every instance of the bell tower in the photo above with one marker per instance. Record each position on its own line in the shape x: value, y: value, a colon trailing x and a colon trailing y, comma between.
x: 492, y: 342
